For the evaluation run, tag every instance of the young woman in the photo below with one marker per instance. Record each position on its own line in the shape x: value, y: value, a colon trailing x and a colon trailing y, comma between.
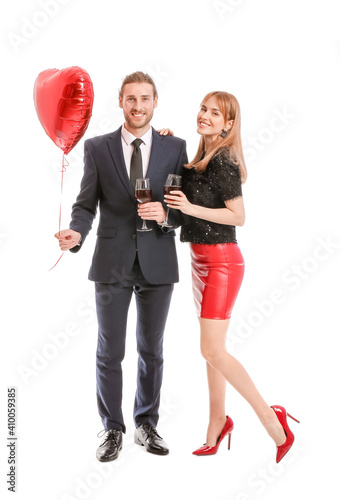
x: 211, y: 199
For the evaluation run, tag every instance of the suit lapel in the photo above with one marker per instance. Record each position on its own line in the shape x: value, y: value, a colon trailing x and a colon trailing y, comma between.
x: 156, y: 153
x: 114, y: 143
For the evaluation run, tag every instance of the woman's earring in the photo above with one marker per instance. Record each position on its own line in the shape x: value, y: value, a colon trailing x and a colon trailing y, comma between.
x: 224, y: 134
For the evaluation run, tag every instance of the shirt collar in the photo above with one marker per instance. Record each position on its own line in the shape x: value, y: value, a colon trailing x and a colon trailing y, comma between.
x: 129, y: 138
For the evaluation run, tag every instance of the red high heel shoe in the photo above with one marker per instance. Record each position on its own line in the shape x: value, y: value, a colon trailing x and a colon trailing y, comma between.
x: 211, y: 450
x: 282, y: 414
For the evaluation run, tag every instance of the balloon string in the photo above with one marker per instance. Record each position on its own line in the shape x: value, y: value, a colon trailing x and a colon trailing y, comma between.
x: 63, y: 169
x: 56, y: 262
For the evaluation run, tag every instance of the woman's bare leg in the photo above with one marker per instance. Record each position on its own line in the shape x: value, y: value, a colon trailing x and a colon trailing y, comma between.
x: 217, y: 415
x: 213, y: 337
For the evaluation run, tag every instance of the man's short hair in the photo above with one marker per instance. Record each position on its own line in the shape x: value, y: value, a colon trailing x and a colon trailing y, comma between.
x: 138, y: 77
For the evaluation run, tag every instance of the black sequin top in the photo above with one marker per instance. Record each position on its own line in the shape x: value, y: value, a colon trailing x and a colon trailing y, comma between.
x: 220, y: 182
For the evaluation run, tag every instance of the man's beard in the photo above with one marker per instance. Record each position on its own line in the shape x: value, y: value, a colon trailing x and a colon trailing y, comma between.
x: 139, y: 124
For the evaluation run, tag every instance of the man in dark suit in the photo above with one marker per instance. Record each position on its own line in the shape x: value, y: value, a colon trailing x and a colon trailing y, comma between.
x: 127, y: 261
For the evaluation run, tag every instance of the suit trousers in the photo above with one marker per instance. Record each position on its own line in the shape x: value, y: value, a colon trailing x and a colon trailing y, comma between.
x: 112, y: 304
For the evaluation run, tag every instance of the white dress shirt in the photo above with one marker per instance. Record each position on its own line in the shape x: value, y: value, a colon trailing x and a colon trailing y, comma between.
x: 145, y: 147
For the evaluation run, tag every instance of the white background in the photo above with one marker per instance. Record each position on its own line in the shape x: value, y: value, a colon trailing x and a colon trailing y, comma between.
x: 280, y: 59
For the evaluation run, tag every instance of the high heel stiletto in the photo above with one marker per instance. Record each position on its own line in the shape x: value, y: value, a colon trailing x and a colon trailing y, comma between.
x: 282, y: 414
x: 211, y: 450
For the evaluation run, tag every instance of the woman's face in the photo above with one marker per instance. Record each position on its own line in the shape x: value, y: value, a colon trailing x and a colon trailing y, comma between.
x: 210, y: 121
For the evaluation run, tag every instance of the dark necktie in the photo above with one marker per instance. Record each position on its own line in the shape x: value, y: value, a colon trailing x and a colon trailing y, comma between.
x: 136, y: 166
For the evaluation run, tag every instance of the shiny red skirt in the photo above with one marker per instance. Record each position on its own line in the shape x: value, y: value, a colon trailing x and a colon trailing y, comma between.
x: 217, y: 273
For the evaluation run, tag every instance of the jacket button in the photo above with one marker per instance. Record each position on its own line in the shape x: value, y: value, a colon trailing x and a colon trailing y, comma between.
x: 134, y: 236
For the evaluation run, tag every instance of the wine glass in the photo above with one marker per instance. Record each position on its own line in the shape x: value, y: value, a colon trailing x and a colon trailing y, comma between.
x: 173, y: 183
x: 143, y: 194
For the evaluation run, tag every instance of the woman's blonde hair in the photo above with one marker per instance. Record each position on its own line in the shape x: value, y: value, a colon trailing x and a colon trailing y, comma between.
x: 230, y: 109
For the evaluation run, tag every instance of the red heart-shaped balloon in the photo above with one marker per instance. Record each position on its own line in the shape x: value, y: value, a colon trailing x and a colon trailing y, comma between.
x: 63, y: 100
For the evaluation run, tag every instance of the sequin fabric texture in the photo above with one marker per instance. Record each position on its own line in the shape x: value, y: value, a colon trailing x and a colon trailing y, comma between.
x: 220, y: 182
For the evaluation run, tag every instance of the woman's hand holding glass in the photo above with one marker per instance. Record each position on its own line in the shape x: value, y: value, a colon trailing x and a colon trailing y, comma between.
x: 179, y: 201
x: 173, y: 182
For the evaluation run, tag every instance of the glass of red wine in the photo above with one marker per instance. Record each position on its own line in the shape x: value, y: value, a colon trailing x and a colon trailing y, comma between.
x: 173, y: 183
x: 143, y: 194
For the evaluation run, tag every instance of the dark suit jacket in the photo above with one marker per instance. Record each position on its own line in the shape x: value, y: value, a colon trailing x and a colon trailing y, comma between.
x: 106, y: 182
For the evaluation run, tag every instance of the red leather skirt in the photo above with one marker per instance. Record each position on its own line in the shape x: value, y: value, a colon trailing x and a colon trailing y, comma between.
x: 217, y: 273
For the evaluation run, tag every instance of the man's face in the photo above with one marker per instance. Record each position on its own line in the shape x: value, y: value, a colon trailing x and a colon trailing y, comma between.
x: 138, y: 103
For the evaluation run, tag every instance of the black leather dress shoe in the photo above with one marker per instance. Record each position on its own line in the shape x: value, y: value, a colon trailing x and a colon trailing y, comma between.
x: 110, y: 446
x: 147, y: 436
